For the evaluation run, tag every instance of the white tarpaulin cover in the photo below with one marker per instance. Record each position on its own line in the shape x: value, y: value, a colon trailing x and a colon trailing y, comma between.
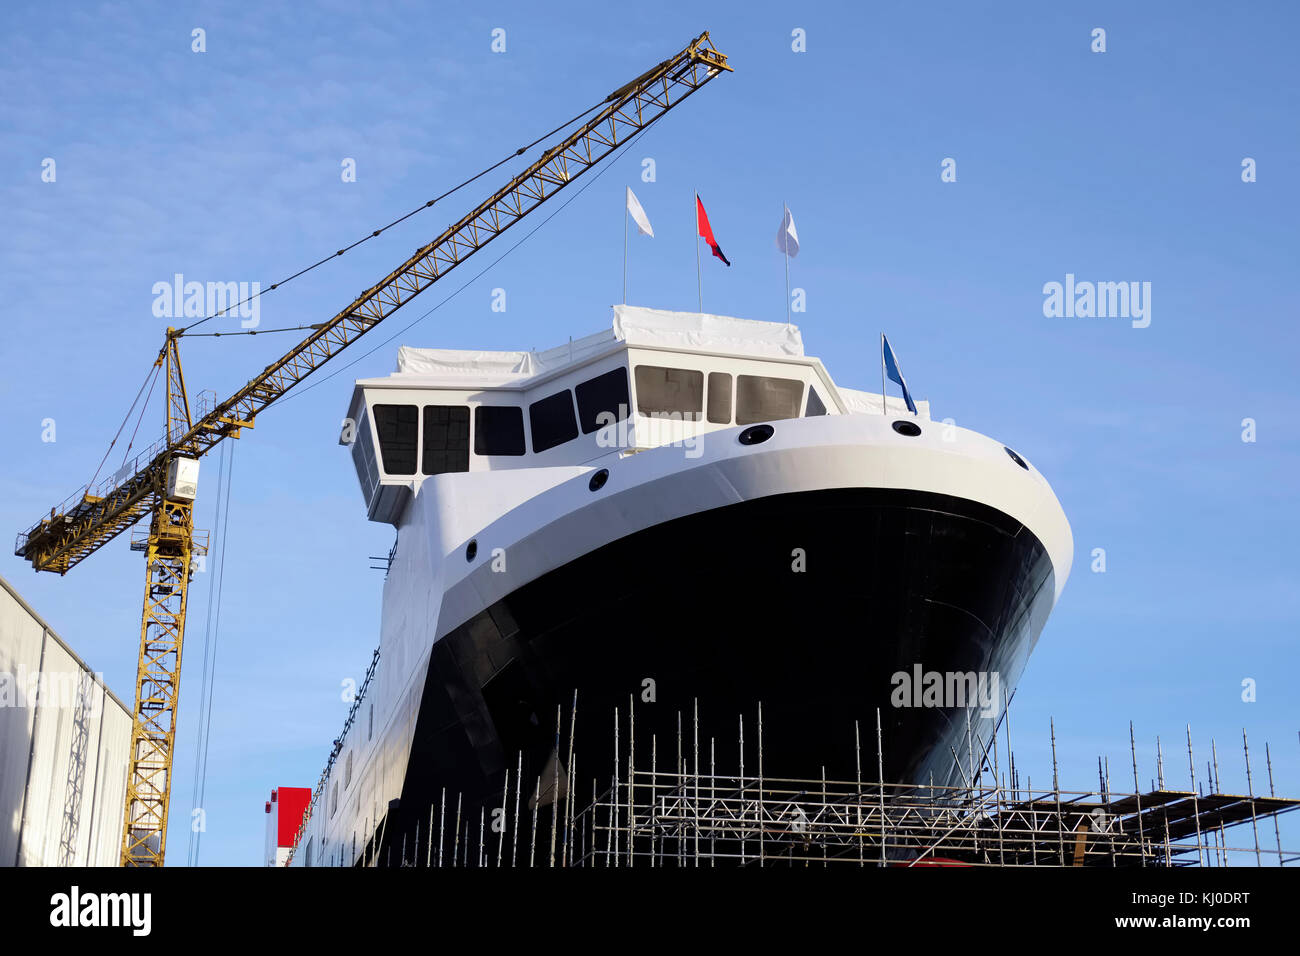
x: 868, y: 403
x: 635, y: 326
x: 632, y: 325
x: 706, y: 333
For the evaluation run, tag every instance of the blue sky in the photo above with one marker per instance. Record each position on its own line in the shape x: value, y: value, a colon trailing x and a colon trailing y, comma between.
x: 1117, y: 166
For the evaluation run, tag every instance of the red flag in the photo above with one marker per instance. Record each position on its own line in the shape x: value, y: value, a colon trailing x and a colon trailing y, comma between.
x: 706, y: 231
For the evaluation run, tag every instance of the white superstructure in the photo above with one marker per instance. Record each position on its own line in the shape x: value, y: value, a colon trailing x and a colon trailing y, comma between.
x: 497, y: 467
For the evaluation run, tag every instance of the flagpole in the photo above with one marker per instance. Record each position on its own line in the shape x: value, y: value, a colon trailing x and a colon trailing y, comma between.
x: 625, y: 250
x: 884, y: 396
x: 699, y: 278
x: 785, y: 254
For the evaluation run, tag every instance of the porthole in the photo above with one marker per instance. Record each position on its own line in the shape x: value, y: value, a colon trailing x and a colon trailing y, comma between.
x: 471, y: 550
x: 598, y: 479
x: 1016, y: 458
x: 910, y: 429
x: 756, y: 434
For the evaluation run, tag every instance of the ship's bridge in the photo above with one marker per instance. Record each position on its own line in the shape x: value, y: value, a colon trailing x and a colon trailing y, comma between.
x: 654, y: 378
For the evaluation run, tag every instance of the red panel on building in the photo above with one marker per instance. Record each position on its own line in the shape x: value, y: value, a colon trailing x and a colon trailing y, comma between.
x: 284, y: 811
x: 293, y: 804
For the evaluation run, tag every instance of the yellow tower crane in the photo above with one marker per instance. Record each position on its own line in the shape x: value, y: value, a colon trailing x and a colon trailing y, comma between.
x: 164, y: 489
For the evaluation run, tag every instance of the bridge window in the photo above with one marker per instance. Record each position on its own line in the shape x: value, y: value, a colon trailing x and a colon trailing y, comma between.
x: 669, y: 390
x: 552, y: 421
x: 363, y: 457
x: 601, y: 397
x: 815, y: 405
x: 398, y: 428
x: 762, y: 399
x: 446, y: 439
x: 719, y: 411
x: 498, y: 430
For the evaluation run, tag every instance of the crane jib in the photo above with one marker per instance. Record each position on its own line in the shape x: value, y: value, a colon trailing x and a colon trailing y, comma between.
x: 95, y: 516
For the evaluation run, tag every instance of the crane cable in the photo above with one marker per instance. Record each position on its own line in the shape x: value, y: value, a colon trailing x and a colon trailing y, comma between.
x: 211, y: 635
x: 291, y: 328
x: 374, y: 234
x: 139, y: 419
x: 468, y: 282
x: 153, y: 371
x: 518, y: 152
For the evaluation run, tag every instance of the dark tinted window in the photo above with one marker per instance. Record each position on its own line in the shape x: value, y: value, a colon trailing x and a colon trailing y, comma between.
x: 720, y: 398
x: 446, y: 439
x: 552, y: 421
x: 815, y: 406
x: 660, y: 390
x: 762, y: 399
x: 397, y: 426
x: 363, y: 456
x: 498, y: 430
x: 604, y: 393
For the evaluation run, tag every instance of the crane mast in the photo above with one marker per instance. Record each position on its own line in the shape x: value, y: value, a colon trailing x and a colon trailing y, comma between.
x: 164, y: 488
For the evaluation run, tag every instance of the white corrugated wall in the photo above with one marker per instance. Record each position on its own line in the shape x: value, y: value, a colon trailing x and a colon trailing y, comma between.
x: 21, y: 637
x: 64, y: 740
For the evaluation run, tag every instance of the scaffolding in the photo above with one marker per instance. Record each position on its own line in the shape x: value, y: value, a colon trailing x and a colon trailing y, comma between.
x: 671, y: 819
x: 681, y: 810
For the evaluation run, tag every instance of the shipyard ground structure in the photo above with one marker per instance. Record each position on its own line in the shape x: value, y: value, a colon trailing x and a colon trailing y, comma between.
x: 64, y: 745
x: 703, y: 798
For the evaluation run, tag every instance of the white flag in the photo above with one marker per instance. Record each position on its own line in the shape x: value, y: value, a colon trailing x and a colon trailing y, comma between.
x: 638, y: 214
x: 787, y: 240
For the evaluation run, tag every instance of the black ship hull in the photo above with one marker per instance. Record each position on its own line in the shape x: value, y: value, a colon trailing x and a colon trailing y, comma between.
x: 811, y: 604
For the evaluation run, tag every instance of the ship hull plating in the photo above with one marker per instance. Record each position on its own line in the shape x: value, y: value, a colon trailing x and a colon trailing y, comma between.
x: 813, y: 604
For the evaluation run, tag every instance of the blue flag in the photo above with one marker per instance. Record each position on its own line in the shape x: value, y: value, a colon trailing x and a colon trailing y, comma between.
x: 891, y: 369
